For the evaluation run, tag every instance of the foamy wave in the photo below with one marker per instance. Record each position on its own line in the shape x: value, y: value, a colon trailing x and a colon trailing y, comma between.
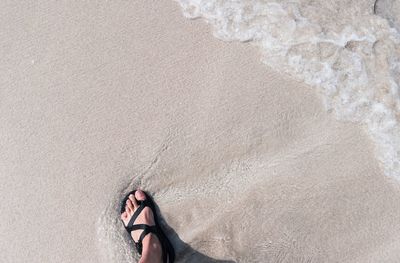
x: 351, y: 55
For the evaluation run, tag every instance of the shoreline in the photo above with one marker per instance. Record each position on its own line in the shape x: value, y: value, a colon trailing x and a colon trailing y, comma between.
x: 126, y: 92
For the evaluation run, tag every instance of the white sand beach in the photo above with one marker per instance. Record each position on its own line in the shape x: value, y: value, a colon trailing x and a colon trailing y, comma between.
x: 245, y: 164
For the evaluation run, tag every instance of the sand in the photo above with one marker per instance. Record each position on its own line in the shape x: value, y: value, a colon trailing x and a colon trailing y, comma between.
x: 244, y: 162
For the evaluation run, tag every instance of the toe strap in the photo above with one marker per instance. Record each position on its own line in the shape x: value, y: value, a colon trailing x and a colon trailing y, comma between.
x: 142, y: 205
x: 134, y: 217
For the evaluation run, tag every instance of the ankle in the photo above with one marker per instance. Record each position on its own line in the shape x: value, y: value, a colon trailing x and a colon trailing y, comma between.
x: 152, y: 251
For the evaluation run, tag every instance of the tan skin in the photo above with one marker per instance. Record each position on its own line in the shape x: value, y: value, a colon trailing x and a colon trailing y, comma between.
x: 152, y: 252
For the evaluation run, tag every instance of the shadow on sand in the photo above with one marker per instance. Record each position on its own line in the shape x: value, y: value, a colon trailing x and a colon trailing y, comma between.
x: 184, y: 252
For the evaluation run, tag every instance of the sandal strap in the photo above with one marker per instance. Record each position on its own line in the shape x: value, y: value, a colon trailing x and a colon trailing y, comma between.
x: 138, y: 227
x: 147, y: 230
x: 142, y: 205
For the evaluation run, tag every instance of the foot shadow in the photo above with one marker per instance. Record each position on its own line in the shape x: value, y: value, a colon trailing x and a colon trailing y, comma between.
x: 184, y: 252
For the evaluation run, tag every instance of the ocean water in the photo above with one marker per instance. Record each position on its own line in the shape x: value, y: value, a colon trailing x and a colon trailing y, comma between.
x: 348, y: 50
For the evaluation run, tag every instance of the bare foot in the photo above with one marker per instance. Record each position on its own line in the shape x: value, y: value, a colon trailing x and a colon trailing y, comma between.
x: 151, y: 251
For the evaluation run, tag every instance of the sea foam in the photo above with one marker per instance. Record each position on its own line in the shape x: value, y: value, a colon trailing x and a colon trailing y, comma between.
x: 349, y: 51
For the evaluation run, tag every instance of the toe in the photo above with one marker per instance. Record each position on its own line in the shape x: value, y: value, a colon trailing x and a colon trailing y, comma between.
x: 124, y: 215
x: 127, y: 210
x: 129, y: 205
x: 133, y: 201
x: 140, y: 195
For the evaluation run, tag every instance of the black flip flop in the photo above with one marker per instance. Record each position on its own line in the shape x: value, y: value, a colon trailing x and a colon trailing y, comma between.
x: 168, y: 252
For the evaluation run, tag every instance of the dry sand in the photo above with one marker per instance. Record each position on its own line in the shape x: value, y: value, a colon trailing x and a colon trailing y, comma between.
x: 243, y: 161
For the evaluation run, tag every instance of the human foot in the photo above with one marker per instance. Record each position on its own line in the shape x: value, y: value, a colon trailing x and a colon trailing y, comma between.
x: 139, y: 220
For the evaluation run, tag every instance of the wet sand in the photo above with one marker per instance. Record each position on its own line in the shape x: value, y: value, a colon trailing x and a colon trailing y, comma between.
x: 243, y: 161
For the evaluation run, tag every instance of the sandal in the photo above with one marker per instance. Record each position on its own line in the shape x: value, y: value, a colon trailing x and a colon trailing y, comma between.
x: 168, y: 252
